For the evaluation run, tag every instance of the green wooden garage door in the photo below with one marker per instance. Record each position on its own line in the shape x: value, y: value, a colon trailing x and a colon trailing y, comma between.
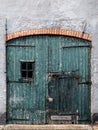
x: 47, y: 77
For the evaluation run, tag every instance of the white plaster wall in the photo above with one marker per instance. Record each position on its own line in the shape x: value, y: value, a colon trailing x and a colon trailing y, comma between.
x: 24, y: 14
x: 79, y: 15
x: 2, y: 67
x: 95, y: 71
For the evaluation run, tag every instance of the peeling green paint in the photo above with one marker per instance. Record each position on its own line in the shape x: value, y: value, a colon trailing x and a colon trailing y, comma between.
x: 64, y: 56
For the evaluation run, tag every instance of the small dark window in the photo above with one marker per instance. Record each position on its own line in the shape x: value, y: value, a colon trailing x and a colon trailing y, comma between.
x: 27, y: 70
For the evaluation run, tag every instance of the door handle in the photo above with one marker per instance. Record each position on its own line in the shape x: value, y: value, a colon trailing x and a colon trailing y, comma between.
x: 50, y: 99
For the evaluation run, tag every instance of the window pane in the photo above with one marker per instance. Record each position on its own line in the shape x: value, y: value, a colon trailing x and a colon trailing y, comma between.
x: 23, y: 65
x: 27, y: 69
x: 30, y: 74
x: 29, y: 65
x: 24, y: 74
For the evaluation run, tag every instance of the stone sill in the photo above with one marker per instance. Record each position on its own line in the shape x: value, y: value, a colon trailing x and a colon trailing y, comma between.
x: 48, y: 127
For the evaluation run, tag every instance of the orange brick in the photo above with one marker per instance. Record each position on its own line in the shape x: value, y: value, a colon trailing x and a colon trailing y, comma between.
x: 34, y: 32
x: 57, y: 32
x: 84, y: 36
x: 41, y: 31
x: 45, y: 31
x: 10, y: 37
x: 66, y: 32
x: 71, y: 33
x: 79, y: 35
x: 89, y: 38
x: 76, y: 34
x: 49, y: 31
x: 52, y: 31
x: 60, y: 32
x: 25, y: 33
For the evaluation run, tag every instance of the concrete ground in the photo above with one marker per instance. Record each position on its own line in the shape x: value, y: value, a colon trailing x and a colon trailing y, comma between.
x: 95, y: 127
x: 48, y: 127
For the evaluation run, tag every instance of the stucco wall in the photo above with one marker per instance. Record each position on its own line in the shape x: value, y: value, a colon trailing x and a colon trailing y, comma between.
x: 2, y: 69
x: 28, y: 14
x: 76, y: 15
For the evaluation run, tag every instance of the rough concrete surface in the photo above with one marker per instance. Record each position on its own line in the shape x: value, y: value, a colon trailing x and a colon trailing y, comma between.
x: 2, y: 127
x: 95, y: 127
x: 48, y: 127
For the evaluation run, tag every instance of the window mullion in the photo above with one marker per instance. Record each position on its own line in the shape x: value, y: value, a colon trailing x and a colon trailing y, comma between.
x: 27, y: 70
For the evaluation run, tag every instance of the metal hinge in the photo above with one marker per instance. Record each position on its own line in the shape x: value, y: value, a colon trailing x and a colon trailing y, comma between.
x: 86, y: 82
x: 77, y: 46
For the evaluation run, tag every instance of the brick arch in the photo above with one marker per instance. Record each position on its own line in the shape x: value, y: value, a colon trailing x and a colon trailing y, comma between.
x: 49, y: 32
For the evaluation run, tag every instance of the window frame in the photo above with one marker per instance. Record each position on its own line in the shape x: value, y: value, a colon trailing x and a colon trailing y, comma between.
x: 27, y: 70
